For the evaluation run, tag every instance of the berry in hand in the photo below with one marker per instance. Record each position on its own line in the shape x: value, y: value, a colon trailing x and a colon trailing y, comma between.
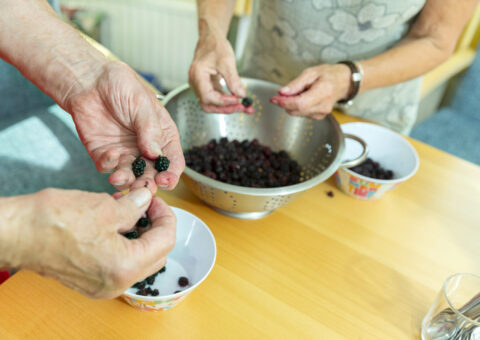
x: 138, y: 167
x: 247, y: 101
x: 143, y: 222
x: 131, y: 235
x: 162, y: 163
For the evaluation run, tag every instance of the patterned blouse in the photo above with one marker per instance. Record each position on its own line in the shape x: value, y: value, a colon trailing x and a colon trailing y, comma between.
x: 287, y: 36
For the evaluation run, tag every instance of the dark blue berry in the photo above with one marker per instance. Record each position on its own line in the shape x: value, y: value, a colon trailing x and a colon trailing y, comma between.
x: 247, y: 101
x: 162, y: 163
x: 143, y: 222
x: 182, y: 281
x: 131, y: 235
x: 138, y: 167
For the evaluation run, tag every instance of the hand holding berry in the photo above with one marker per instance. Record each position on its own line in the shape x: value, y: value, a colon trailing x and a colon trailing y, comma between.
x: 314, y: 93
x: 119, y: 119
x: 74, y: 237
x: 214, y: 59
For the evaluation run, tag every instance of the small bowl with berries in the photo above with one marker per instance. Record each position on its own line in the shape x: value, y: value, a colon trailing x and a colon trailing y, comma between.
x: 188, y: 264
x: 391, y: 161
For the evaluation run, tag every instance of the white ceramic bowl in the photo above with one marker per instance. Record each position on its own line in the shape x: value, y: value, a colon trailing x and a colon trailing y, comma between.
x: 193, y: 256
x: 387, y: 147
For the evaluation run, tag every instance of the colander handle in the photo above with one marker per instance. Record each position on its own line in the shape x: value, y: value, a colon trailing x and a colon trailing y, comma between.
x: 353, y: 162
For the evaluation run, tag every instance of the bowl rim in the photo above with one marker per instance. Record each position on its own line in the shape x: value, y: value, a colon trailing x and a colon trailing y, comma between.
x: 404, y: 140
x: 189, y: 289
x: 285, y: 190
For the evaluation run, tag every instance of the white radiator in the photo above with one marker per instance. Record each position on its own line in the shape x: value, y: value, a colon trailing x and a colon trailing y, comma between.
x: 154, y: 36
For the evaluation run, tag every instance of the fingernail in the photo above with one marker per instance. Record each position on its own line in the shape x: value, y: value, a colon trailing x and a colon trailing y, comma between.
x: 118, y: 184
x: 140, y: 197
x: 155, y: 148
x: 163, y: 185
x: 285, y: 90
x: 274, y: 101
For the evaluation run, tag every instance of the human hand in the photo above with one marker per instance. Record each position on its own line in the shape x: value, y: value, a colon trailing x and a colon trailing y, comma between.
x: 214, y: 59
x: 119, y: 119
x: 314, y: 93
x: 74, y: 237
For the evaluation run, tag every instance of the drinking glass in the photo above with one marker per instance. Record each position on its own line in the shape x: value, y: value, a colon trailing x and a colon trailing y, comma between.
x: 455, y: 314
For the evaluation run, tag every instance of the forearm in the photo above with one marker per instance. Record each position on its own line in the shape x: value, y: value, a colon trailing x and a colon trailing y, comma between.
x: 214, y: 16
x: 46, y: 50
x: 430, y: 41
x: 16, y: 214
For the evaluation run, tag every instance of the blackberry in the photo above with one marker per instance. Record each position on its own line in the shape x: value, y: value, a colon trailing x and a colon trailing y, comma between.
x: 162, y: 163
x: 247, y: 101
x: 330, y: 193
x: 182, y: 281
x: 143, y: 222
x: 142, y: 292
x: 155, y: 292
x: 164, y: 268
x: 131, y: 235
x: 372, y: 169
x: 139, y: 285
x: 138, y: 167
x: 151, y: 279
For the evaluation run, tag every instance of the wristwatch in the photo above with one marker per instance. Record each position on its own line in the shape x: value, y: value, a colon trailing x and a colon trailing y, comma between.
x: 356, y: 79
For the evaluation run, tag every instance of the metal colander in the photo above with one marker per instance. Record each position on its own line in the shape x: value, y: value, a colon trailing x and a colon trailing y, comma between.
x: 317, y: 145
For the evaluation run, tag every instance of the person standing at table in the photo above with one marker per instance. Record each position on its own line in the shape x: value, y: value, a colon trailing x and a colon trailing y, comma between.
x: 367, y: 55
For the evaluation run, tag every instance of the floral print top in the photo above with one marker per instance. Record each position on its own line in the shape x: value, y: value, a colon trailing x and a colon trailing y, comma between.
x: 287, y: 36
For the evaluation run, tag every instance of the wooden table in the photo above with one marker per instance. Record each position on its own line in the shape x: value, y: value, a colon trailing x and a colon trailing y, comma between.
x: 319, y: 268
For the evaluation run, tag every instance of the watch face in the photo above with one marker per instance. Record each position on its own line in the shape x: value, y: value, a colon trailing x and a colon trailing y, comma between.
x: 356, y: 77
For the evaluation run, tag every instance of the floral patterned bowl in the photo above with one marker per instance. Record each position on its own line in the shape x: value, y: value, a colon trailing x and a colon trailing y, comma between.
x: 193, y: 257
x: 385, y: 146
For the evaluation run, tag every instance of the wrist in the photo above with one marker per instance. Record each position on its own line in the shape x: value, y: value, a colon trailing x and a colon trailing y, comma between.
x: 16, y: 216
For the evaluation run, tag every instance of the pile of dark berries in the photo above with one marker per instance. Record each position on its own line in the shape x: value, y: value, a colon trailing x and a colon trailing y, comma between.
x: 247, y: 101
x: 372, y: 169
x: 138, y: 167
x: 246, y: 163
x: 162, y: 163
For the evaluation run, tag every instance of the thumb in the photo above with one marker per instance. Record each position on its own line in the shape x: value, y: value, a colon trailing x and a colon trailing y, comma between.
x: 230, y: 74
x: 299, y: 84
x: 149, y: 132
x: 132, y: 206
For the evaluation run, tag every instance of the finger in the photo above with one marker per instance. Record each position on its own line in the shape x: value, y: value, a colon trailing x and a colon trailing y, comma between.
x: 123, y: 177
x: 131, y: 207
x: 117, y: 195
x: 159, y: 240
x: 149, y: 129
x: 306, y: 101
x: 107, y: 160
x: 228, y: 69
x: 299, y: 84
x: 225, y: 109
x: 147, y: 179
x: 168, y: 180
x: 207, y: 94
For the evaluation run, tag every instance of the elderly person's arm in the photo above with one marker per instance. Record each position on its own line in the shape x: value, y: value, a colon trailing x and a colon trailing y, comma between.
x: 74, y: 237
x: 214, y: 59
x: 117, y: 117
x: 430, y: 41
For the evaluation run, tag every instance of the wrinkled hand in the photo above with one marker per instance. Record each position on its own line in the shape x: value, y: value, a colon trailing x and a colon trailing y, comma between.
x: 214, y: 59
x: 118, y: 119
x: 314, y: 93
x: 73, y: 236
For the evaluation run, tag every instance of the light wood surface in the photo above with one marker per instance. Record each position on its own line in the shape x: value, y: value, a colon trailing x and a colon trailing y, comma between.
x: 319, y: 268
